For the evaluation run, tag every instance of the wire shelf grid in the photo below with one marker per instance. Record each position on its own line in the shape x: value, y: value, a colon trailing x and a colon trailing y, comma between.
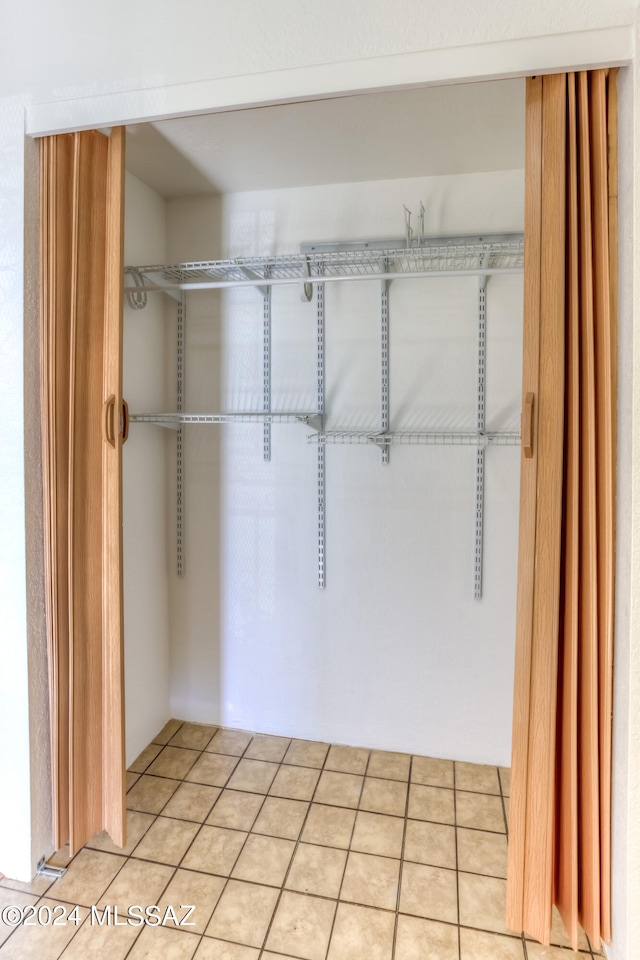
x: 417, y: 438
x: 454, y: 256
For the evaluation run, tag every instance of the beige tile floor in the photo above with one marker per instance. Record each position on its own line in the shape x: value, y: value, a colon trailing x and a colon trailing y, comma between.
x: 290, y: 850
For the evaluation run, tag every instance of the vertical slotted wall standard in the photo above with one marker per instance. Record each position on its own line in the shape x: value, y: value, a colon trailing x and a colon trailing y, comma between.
x: 560, y: 822
x: 84, y: 422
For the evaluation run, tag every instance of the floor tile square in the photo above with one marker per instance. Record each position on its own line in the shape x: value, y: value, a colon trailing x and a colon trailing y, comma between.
x: 431, y: 803
x: 362, y: 932
x: 430, y: 843
x: 41, y: 941
x: 231, y: 742
x: 200, y: 890
x: 137, y: 826
x: 477, y: 777
x: 150, y: 794
x: 196, y: 736
x: 254, y: 776
x: 384, y: 796
x: 171, y: 727
x: 243, y: 913
x: 166, y: 840
x: 264, y: 747
x: 480, y: 811
x: 392, y: 766
x: 130, y: 779
x: 142, y: 761
x: 294, y: 783
x: 329, y: 826
x: 221, y: 950
x: 302, y: 926
x: 165, y: 942
x: 87, y: 877
x: 214, y: 850
x: 371, y: 881
x: 281, y: 818
x: 338, y: 789
x: 483, y: 902
x: 317, y: 870
x: 173, y: 762
x: 378, y: 834
x: 432, y: 772
x: 306, y: 753
x: 14, y: 898
x: 479, y: 945
x: 33, y: 888
x: 192, y: 801
x: 347, y: 759
x: 61, y: 857
x: 236, y: 810
x: 212, y: 769
x: 482, y: 852
x: 264, y: 860
x: 425, y: 940
x: 94, y: 942
x: 429, y: 892
x: 138, y: 882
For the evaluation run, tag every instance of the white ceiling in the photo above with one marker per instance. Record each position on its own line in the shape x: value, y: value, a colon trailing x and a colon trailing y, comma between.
x: 428, y: 131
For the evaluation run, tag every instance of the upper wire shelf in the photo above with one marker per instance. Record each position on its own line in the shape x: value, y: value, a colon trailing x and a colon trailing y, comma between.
x: 452, y: 256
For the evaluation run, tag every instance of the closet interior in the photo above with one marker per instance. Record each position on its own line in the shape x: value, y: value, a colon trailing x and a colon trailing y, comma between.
x: 322, y: 364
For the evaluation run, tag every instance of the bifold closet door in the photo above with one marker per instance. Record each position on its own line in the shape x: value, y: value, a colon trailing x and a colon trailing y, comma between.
x: 560, y: 821
x: 83, y: 426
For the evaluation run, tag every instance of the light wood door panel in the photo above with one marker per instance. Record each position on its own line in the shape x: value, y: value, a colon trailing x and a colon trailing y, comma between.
x: 81, y: 351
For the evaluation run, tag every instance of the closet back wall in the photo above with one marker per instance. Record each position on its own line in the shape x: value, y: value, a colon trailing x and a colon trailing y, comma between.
x: 394, y: 653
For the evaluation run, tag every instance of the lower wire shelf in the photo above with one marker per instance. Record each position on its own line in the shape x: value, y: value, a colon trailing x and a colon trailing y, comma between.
x: 418, y: 438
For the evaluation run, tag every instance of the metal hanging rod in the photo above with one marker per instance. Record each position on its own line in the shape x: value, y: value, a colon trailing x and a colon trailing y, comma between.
x: 417, y: 438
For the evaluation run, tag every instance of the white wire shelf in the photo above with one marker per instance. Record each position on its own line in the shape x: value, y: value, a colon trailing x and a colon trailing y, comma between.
x: 454, y: 256
x: 418, y: 438
x: 176, y: 420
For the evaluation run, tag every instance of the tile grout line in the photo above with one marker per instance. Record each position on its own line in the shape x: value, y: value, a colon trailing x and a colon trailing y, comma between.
x: 295, y: 850
x: 455, y: 827
x: 400, y: 871
x: 346, y: 859
x: 176, y: 867
x: 203, y: 824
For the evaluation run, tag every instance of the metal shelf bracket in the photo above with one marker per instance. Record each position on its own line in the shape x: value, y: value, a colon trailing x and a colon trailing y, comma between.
x: 384, y: 351
x: 266, y: 369
x: 480, y: 423
x: 180, y: 343
x: 321, y: 452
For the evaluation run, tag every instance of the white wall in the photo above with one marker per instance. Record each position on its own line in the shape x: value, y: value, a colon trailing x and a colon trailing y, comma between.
x: 146, y: 583
x: 395, y: 652
x: 45, y: 59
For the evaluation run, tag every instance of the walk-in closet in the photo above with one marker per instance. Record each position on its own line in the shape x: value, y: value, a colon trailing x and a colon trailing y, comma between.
x: 322, y: 364
x: 360, y: 420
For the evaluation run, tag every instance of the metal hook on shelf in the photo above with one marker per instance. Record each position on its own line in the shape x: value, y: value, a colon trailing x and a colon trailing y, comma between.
x: 306, y: 293
x: 407, y: 225
x: 137, y: 299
